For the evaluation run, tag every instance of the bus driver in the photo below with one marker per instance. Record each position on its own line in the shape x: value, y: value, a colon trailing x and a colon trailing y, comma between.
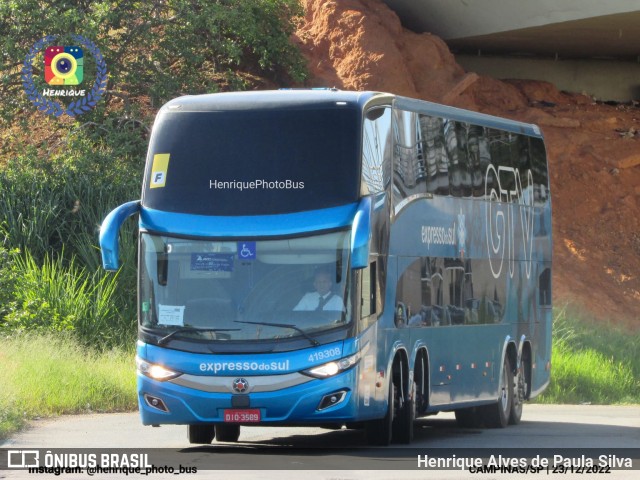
x: 322, y: 298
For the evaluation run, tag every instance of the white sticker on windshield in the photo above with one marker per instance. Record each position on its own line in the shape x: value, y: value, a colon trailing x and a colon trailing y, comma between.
x: 212, y: 262
x: 171, y: 315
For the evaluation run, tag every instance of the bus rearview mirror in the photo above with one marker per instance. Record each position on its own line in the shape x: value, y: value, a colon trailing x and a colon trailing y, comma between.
x: 109, y: 231
x: 361, y: 235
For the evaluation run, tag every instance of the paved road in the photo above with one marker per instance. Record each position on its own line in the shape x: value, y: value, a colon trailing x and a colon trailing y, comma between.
x: 555, y: 427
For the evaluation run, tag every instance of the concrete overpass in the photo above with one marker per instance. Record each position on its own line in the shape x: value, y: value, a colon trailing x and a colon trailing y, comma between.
x: 580, y: 45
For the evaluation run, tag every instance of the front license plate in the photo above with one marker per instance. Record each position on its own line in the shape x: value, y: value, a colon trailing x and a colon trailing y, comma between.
x: 248, y: 415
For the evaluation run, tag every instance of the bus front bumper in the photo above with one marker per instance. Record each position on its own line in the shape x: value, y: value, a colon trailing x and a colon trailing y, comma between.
x: 275, y: 400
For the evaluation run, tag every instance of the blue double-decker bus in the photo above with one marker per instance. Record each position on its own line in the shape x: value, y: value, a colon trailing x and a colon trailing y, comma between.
x: 333, y: 258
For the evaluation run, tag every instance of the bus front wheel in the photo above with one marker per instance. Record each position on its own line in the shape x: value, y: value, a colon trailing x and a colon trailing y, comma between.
x: 200, y: 434
x: 227, y: 432
x: 403, y: 424
x: 379, y: 431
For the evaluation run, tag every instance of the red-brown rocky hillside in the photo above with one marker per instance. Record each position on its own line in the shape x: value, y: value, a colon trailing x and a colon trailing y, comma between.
x: 594, y: 149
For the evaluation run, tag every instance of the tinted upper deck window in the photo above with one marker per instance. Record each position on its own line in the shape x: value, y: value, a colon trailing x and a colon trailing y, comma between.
x: 254, y: 162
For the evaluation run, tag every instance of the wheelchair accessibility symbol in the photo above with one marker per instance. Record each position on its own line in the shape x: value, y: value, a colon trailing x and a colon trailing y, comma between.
x: 247, y: 250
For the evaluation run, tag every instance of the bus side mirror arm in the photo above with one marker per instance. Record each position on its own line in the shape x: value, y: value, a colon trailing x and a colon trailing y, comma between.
x: 109, y: 231
x: 361, y: 235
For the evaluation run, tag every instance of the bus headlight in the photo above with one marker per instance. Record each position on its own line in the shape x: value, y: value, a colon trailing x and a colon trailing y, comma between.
x: 157, y: 372
x: 330, y: 369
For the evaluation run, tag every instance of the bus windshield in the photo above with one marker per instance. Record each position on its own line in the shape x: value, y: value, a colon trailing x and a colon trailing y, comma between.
x: 221, y: 291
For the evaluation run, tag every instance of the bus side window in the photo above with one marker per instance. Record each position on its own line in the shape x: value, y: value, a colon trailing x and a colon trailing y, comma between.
x: 499, y: 147
x: 368, y: 291
x: 414, y: 285
x: 368, y: 294
x: 433, y: 154
x: 376, y: 154
x: 479, y: 158
x: 455, y: 134
x: 544, y: 287
x: 539, y: 170
x: 425, y: 281
x: 409, y: 157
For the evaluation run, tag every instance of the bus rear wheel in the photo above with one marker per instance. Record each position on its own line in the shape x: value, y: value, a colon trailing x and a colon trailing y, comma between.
x: 521, y: 384
x: 496, y: 415
x: 200, y: 433
x: 227, y: 432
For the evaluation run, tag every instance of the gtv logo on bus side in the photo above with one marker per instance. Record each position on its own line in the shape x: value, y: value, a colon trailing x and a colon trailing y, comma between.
x: 501, y: 219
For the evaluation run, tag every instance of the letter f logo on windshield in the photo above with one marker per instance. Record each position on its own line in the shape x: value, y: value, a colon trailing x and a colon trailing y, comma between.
x: 159, y: 170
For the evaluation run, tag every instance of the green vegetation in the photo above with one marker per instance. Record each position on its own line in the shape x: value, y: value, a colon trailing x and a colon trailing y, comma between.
x: 158, y: 50
x: 67, y: 328
x: 592, y: 362
x: 50, y: 214
x: 60, y: 177
x: 57, y: 297
x: 47, y: 374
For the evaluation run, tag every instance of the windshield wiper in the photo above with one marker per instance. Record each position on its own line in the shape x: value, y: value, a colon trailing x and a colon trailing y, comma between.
x: 166, y: 339
x: 313, y: 341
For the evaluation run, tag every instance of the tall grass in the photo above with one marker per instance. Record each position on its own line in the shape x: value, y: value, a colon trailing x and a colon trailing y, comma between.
x: 30, y: 208
x: 59, y: 202
x: 62, y: 296
x: 67, y: 328
x: 52, y: 374
x: 592, y: 362
x: 51, y: 210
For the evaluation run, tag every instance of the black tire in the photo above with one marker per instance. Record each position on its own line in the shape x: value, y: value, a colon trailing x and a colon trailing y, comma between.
x: 422, y: 397
x: 227, y: 432
x: 521, y: 385
x: 403, y: 423
x: 496, y: 415
x: 201, y: 433
x: 379, y: 431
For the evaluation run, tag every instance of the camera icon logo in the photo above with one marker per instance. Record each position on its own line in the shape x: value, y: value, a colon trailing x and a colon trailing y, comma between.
x: 63, y: 65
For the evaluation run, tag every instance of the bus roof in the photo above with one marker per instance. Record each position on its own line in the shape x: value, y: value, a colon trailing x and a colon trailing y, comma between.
x: 468, y: 116
x: 308, y: 98
x: 266, y: 99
